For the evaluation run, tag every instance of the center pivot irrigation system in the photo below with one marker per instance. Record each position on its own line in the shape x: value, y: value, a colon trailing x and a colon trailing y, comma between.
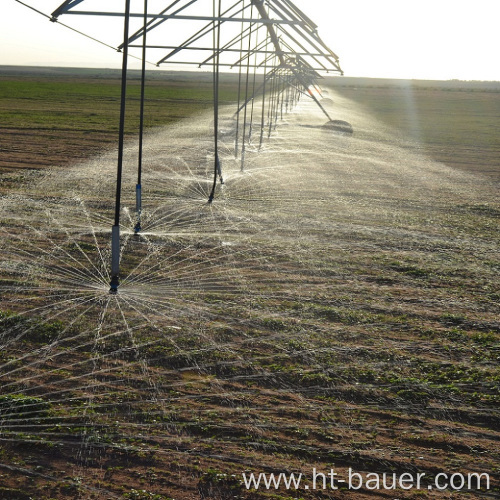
x: 273, y: 44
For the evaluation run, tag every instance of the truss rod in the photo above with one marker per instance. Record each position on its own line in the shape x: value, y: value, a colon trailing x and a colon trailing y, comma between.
x: 298, y: 13
x: 149, y: 27
x: 289, y: 52
x: 259, y: 4
x: 188, y: 18
x: 304, y: 49
x: 227, y: 65
x: 249, y: 53
x: 202, y: 32
x: 51, y: 18
x: 310, y: 37
x: 68, y: 4
x: 232, y: 42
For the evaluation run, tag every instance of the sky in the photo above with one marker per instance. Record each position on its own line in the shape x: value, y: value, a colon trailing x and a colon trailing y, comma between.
x: 420, y: 39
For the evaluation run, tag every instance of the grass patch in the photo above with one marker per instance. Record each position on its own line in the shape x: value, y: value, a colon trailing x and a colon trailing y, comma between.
x: 63, y: 120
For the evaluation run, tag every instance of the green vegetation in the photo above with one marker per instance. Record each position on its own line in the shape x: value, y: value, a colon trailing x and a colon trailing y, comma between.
x: 31, y: 330
x: 19, y: 406
x: 53, y: 121
x: 50, y: 104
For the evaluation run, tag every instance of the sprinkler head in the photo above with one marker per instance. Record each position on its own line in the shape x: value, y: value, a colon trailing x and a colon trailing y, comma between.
x: 114, y: 285
x: 339, y: 126
x: 137, y: 228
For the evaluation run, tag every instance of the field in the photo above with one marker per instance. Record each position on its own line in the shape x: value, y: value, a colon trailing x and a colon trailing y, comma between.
x: 453, y: 121
x: 52, y: 118
x: 337, y: 306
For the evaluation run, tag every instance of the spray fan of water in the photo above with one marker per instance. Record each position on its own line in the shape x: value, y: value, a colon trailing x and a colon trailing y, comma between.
x: 254, y: 332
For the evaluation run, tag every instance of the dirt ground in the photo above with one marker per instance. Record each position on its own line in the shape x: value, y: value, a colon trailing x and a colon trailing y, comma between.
x: 326, y: 320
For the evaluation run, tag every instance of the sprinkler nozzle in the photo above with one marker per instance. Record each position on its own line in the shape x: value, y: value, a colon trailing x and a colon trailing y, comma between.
x: 114, y: 283
x: 137, y: 228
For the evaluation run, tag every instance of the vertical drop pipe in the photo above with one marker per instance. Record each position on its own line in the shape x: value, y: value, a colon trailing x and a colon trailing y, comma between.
x: 263, y: 97
x: 236, y: 148
x: 138, y: 187
x: 253, y: 84
x: 270, y: 110
x: 282, y: 93
x: 243, y: 144
x: 216, y: 71
x: 115, y: 231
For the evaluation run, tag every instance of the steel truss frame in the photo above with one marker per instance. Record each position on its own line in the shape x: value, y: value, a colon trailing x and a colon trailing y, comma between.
x: 274, y: 38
